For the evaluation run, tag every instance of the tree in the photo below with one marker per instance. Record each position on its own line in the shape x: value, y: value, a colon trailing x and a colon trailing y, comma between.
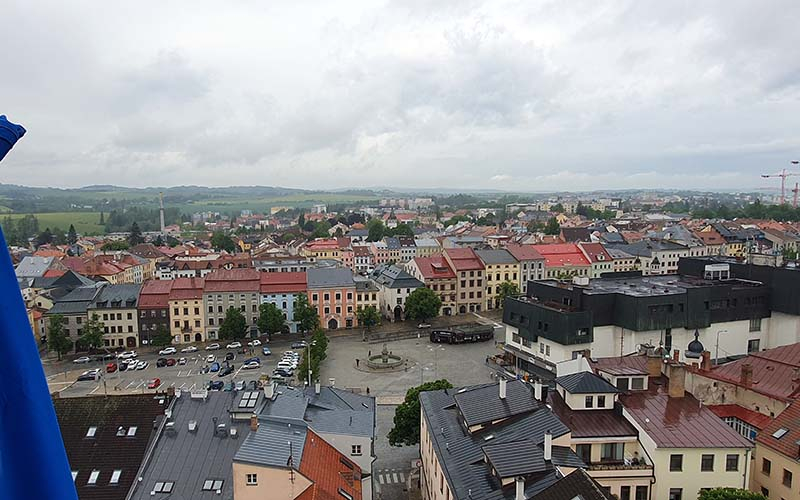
x: 552, y: 227
x: 270, y: 318
x: 135, y: 236
x: 317, y: 351
x: 406, y: 415
x: 401, y: 230
x: 58, y: 341
x: 159, y: 242
x: 305, y: 314
x: 102, y: 219
x: 162, y: 337
x: 44, y: 238
x: 321, y: 229
x: 301, y: 220
x: 422, y: 304
x: 92, y: 336
x: 221, y: 241
x: 113, y: 246
x: 729, y: 494
x: 558, y: 208
x: 368, y: 317
x: 506, y: 289
x: 375, y: 230
x: 72, y: 235
x: 234, y: 326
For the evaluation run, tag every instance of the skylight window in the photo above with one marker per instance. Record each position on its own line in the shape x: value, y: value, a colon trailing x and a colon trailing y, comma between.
x: 93, y: 477
x: 120, y: 431
x: 74, y: 475
x: 212, y: 485
x: 115, y: 476
x: 163, y: 487
x: 132, y: 431
x: 91, y: 432
x: 780, y: 433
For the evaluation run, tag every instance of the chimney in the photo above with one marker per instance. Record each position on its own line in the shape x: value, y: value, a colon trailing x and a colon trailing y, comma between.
x: 747, y: 375
x: 653, y: 364
x: 548, y: 445
x: 705, y: 364
x: 316, y: 388
x: 503, y: 388
x: 677, y: 381
x: 587, y: 353
x: 520, y: 488
x: 537, y: 390
x: 254, y: 423
x: 269, y: 390
x: 676, y: 355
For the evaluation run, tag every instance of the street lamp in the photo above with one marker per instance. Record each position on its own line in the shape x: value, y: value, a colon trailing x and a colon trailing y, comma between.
x: 716, y: 355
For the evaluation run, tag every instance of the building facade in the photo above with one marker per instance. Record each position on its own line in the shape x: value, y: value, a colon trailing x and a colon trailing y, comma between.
x: 187, y: 318
x: 333, y: 293
x: 282, y: 290
x: 235, y: 288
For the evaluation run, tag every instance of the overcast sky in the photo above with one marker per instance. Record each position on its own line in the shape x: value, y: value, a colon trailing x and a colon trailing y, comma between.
x: 523, y: 95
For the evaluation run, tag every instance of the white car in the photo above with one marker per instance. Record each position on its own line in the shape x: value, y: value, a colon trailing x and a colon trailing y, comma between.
x: 234, y: 345
x: 190, y: 348
x: 251, y: 365
x: 254, y: 343
x: 182, y: 361
x: 141, y: 365
x: 424, y: 325
x: 127, y: 355
x: 212, y: 347
x: 167, y: 351
x: 82, y: 360
x: 210, y: 358
x: 287, y: 364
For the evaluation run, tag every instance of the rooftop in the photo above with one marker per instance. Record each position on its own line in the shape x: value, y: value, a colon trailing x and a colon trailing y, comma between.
x: 562, y: 254
x: 524, y: 252
x: 330, y: 471
x: 483, y: 404
x: 330, y: 278
x: 585, y: 383
x: 577, y: 485
x: 392, y: 276
x: 591, y: 423
x: 783, y: 433
x: 283, y: 282
x: 464, y: 259
x: 499, y: 256
x: 435, y: 267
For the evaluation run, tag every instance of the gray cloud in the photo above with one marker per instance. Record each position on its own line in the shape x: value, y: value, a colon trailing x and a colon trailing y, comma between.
x: 513, y: 95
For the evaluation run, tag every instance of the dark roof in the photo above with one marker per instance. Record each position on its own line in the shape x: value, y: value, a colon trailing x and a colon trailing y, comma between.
x: 585, y: 383
x: 76, y: 301
x: 576, y: 485
x: 499, y: 256
x: 525, y: 457
x: 395, y: 277
x: 106, y: 451
x: 575, y: 234
x: 269, y: 445
x: 591, y: 423
x: 330, y: 278
x: 122, y: 296
x: 482, y: 404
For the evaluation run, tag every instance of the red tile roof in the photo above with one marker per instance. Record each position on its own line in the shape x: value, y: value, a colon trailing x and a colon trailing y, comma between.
x: 283, y: 282
x: 435, y: 267
x: 633, y: 364
x: 594, y: 251
x: 789, y: 419
x: 679, y: 422
x: 757, y: 420
x: 464, y: 259
x: 562, y: 254
x: 326, y: 468
x: 54, y: 273
x: 187, y: 288
x: 591, y: 423
x: 524, y: 252
x: 155, y: 294
x: 776, y: 372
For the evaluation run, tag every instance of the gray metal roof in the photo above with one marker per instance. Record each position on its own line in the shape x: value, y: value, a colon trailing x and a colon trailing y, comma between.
x: 122, y: 296
x: 524, y: 457
x: 395, y: 277
x: 77, y: 301
x: 330, y: 278
x: 289, y: 403
x: 190, y: 458
x: 269, y: 445
x: 585, y: 383
x: 344, y: 422
x: 500, y: 256
x: 483, y: 404
x: 33, y: 266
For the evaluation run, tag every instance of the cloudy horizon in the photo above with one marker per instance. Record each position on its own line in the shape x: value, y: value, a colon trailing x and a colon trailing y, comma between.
x: 513, y: 96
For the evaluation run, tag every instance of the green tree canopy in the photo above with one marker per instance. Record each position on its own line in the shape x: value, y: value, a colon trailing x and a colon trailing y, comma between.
x: 270, y: 318
x: 506, y: 289
x: 135, y: 236
x: 72, y: 235
x: 558, y: 208
x: 375, y: 229
x: 234, y: 326
x: 552, y: 227
x: 406, y: 417
x: 305, y: 314
x: 57, y: 339
x: 113, y: 246
x: 422, y: 304
x: 92, y: 336
x: 221, y: 241
x: 321, y: 229
x: 318, y: 352
x: 44, y: 238
x: 159, y: 242
x: 301, y: 220
x: 368, y: 317
x: 729, y: 494
x: 162, y: 337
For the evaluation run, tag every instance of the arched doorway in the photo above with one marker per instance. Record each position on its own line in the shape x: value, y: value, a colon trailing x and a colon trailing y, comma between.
x: 462, y: 309
x: 333, y: 324
x: 198, y: 337
x: 446, y: 311
x: 398, y: 313
x: 130, y: 342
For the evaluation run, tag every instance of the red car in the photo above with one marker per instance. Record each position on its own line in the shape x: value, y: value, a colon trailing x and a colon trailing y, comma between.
x: 111, y: 368
x: 171, y: 362
x: 153, y: 384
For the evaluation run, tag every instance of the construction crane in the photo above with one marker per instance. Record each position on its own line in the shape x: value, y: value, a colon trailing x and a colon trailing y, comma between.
x: 783, y: 174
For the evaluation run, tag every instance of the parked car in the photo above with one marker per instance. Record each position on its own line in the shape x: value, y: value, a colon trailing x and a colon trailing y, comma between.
x: 122, y: 366
x: 171, y: 362
x: 283, y: 372
x: 127, y: 355
x: 89, y: 375
x: 212, y: 347
x: 153, y: 384
x: 210, y: 358
x: 229, y: 356
x: 254, y: 358
x: 299, y: 344
x: 424, y: 325
x: 287, y: 365
x: 214, y: 367
x: 161, y: 362
x: 250, y: 365
x: 141, y: 365
x: 111, y: 367
x: 167, y: 351
x: 226, y: 371
x: 82, y: 360
x: 228, y: 386
x: 254, y: 343
x: 234, y: 345
x: 240, y: 385
x: 190, y: 348
x: 265, y: 351
x: 182, y: 361
x: 216, y: 385
x: 106, y: 356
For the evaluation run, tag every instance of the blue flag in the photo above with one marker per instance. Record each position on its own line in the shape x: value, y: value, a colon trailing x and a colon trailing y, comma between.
x: 33, y: 463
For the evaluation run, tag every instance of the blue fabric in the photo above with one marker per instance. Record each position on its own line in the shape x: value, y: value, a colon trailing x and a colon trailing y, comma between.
x: 10, y: 133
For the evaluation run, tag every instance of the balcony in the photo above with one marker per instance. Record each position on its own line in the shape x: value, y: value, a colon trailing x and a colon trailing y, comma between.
x: 612, y: 468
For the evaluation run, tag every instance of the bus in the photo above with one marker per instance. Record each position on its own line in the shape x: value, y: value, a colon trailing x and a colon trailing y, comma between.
x: 463, y: 333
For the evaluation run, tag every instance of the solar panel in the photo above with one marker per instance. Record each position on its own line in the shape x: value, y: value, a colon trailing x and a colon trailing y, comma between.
x: 248, y: 400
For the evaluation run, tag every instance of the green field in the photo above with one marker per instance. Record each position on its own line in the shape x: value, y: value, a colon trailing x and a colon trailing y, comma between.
x: 263, y: 204
x: 86, y: 223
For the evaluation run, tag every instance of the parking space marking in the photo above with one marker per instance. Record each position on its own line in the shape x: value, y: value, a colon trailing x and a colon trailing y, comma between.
x: 130, y: 384
x: 94, y: 390
x: 182, y: 385
x: 139, y: 384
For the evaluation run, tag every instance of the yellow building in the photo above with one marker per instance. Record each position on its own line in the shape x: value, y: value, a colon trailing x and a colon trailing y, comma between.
x: 776, y: 468
x: 186, y: 313
x: 500, y: 267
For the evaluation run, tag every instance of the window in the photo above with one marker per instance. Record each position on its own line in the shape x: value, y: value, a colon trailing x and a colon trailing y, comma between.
x: 765, y: 492
x: 541, y: 347
x: 787, y: 478
x: 622, y: 382
x: 355, y: 449
x: 93, y: 477
x: 780, y: 433
x: 731, y: 463
x: 345, y: 495
x: 115, y: 476
x: 601, y: 401
x: 707, y: 463
x: 585, y: 452
x: 753, y: 345
x: 624, y: 493
x: 74, y: 475
x: 612, y: 452
x: 131, y: 431
x: 589, y: 402
x: 755, y: 325
x: 326, y: 296
x: 252, y: 480
x: 675, y: 493
x: 314, y: 297
x: 212, y: 485
x: 641, y: 493
x: 338, y: 296
x: 637, y: 383
x: 766, y: 466
x: 547, y: 350
x: 91, y: 432
x: 163, y: 487
x: 675, y: 463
